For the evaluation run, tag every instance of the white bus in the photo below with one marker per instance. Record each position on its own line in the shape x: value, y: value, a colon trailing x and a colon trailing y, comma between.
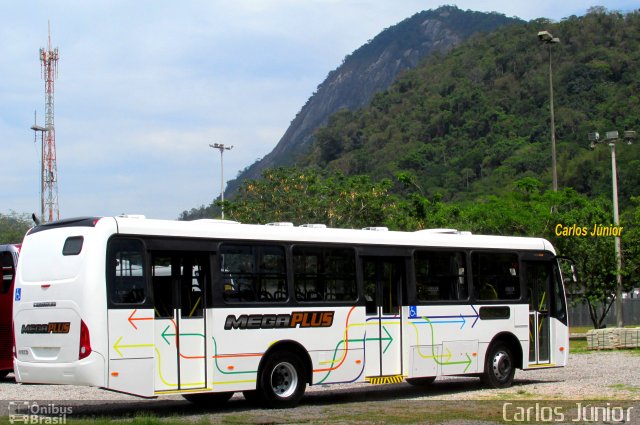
x: 208, y: 308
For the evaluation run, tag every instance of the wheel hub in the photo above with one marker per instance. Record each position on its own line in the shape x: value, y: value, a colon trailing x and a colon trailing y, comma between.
x: 501, y: 365
x: 284, y: 379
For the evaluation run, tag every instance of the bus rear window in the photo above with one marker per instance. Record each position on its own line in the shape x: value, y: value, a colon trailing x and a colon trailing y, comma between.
x: 125, y: 271
x: 73, y: 245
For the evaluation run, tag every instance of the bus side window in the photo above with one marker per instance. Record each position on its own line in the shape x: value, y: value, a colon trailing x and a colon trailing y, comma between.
x: 369, y: 280
x: 194, y: 275
x: 178, y: 279
x: 440, y: 275
x: 272, y: 274
x: 125, y: 272
x: 495, y: 276
x: 324, y: 274
x: 237, y: 268
x: 559, y: 308
x: 253, y: 273
x: 162, y: 285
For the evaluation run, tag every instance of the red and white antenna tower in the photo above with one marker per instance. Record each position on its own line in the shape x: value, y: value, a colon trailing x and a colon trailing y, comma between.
x: 49, y: 65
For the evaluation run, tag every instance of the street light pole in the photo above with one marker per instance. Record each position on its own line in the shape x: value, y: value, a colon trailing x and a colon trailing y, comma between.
x: 612, y: 137
x: 221, y: 147
x: 36, y: 128
x: 548, y: 39
x: 616, y: 223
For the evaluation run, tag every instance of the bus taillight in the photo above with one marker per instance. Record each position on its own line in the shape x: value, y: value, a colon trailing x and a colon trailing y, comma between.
x: 13, y: 335
x: 85, y: 341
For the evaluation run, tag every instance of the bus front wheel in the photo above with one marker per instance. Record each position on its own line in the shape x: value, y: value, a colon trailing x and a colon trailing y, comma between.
x: 282, y: 380
x: 499, y: 366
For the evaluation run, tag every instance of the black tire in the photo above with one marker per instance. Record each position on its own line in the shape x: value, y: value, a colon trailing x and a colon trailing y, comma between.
x: 4, y: 373
x: 499, y: 366
x: 282, y: 380
x: 208, y: 399
x: 421, y: 382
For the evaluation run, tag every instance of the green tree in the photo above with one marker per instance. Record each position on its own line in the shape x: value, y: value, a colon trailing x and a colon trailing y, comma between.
x: 594, y: 256
x: 311, y: 196
x: 631, y: 245
x: 13, y: 227
x: 338, y: 200
x: 526, y: 211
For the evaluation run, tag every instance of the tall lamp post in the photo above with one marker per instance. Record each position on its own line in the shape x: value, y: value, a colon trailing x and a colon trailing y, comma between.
x: 611, y: 137
x: 37, y: 128
x: 221, y: 147
x: 548, y: 39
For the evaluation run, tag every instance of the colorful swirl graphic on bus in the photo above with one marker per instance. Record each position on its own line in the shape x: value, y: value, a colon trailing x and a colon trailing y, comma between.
x: 353, y: 344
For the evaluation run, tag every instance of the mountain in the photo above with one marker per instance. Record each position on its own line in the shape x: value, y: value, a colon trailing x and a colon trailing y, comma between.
x: 372, y: 69
x: 475, y: 121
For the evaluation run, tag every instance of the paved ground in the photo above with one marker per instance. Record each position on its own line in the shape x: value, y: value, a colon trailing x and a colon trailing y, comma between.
x: 611, y: 376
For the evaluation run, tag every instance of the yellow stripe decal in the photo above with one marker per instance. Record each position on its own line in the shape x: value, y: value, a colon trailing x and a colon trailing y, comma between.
x: 393, y: 379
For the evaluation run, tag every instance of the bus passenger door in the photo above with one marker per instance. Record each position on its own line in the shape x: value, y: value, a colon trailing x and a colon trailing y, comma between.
x: 132, y: 358
x: 179, y: 283
x: 538, y: 275
x: 383, y: 279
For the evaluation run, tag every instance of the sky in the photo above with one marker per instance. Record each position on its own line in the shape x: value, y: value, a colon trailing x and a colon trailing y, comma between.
x: 145, y: 86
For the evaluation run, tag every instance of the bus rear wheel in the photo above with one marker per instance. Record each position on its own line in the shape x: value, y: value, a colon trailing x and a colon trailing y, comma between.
x: 282, y: 380
x: 208, y: 399
x: 499, y: 366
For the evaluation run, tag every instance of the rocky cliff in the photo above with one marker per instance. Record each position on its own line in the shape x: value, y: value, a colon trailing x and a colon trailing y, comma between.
x: 371, y: 69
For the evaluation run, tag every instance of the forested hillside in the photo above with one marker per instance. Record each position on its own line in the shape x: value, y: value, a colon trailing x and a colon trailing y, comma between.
x: 463, y: 142
x: 371, y: 69
x: 470, y: 122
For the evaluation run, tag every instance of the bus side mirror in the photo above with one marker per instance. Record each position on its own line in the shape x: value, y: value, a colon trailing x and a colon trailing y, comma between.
x: 568, y: 270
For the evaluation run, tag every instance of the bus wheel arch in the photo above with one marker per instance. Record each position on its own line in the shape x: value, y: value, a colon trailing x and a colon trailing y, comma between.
x: 503, y: 357
x: 283, y: 374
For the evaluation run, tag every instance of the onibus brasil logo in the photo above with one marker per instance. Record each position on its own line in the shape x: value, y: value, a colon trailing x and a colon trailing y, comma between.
x: 31, y: 412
